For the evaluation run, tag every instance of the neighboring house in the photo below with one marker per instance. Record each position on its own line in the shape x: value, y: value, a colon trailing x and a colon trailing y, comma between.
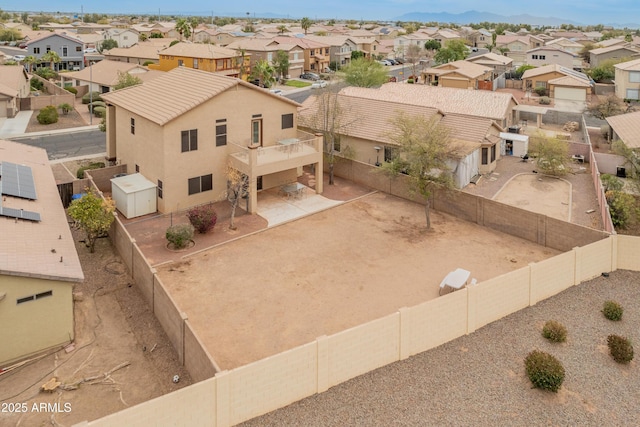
x: 402, y: 43
x: 497, y: 106
x: 516, y: 46
x: 39, y: 264
x: 627, y: 80
x: 141, y: 54
x: 266, y: 49
x: 124, y: 37
x: 626, y: 128
x: 616, y: 52
x: 316, y: 54
x: 205, y: 57
x: 560, y: 82
x: 14, y: 85
x: 224, y: 38
x: 444, y: 35
x: 475, y: 141
x: 69, y: 49
x: 566, y: 45
x: 546, y: 55
x: 340, y: 48
x: 182, y: 129
x: 499, y: 63
x: 165, y: 29
x: 103, y: 76
x: 459, y: 74
x: 368, y: 45
x: 477, y: 38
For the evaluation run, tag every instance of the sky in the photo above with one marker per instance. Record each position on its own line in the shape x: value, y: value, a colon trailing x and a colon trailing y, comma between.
x: 583, y: 11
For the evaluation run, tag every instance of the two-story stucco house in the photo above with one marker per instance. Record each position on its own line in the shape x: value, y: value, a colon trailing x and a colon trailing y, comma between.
x: 14, y: 85
x: 266, y: 49
x: 204, y: 57
x: 69, y: 49
x: 627, y: 79
x: 182, y: 129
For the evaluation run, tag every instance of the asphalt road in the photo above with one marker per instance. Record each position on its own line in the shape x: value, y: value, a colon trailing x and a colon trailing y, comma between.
x: 68, y: 145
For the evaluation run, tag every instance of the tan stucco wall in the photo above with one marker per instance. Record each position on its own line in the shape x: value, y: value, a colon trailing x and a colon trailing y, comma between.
x: 552, y: 56
x: 35, y: 325
x: 622, y: 83
x: 157, y: 150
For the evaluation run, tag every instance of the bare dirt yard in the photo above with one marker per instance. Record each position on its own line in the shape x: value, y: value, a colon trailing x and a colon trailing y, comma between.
x: 288, y: 285
x: 114, y: 326
x: 541, y: 194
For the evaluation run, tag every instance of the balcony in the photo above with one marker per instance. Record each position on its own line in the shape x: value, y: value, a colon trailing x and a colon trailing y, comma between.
x: 281, y: 155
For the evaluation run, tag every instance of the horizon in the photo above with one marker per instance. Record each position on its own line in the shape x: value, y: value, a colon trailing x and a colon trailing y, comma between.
x: 586, y: 12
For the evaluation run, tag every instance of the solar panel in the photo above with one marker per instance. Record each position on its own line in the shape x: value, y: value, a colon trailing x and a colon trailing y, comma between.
x: 20, y: 214
x: 17, y: 181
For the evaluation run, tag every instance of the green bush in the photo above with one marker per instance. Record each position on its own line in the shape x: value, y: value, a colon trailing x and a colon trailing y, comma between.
x: 71, y: 89
x: 179, y: 235
x: 554, y: 331
x: 91, y: 96
x: 410, y: 81
x: 96, y: 104
x: 46, y: 73
x: 147, y: 63
x: 612, y: 310
x: 48, y: 115
x: 544, y: 370
x: 622, y: 207
x: 203, y: 218
x: 36, y: 84
x: 80, y: 173
x: 66, y: 108
x: 540, y: 91
x: 100, y: 112
x: 544, y: 100
x: 620, y: 348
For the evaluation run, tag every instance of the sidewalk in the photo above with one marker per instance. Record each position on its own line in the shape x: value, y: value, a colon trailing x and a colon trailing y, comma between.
x: 16, y: 125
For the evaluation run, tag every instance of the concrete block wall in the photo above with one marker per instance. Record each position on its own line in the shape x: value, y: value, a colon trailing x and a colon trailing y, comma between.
x: 197, y: 359
x: 102, y: 177
x: 564, y: 236
x: 511, y: 220
x: 123, y: 242
x: 552, y: 276
x: 270, y: 383
x: 142, y: 274
x: 171, y: 319
x: 496, y: 298
x: 434, y: 322
x: 362, y: 349
x: 189, y: 406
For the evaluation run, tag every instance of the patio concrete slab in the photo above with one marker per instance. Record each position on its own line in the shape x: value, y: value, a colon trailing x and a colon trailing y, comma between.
x: 277, y: 209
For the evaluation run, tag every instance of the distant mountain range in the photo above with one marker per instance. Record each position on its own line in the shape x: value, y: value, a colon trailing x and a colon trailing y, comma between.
x: 473, y: 16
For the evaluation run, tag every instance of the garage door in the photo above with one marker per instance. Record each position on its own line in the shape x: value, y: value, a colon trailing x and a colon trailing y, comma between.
x: 571, y: 94
x: 457, y: 83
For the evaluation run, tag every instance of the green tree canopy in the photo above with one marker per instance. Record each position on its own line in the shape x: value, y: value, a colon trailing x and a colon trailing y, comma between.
x: 107, y: 44
x: 365, y: 73
x: 93, y: 215
x: 305, y: 23
x: 264, y: 72
x: 281, y: 63
x: 126, y: 80
x: 432, y: 45
x: 453, y: 50
x: 552, y: 154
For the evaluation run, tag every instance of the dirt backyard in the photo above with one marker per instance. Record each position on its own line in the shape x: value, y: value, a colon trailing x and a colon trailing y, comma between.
x: 357, y: 262
x: 114, y: 327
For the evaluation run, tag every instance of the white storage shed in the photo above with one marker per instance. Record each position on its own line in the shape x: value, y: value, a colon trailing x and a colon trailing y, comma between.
x: 134, y: 195
x: 514, y: 144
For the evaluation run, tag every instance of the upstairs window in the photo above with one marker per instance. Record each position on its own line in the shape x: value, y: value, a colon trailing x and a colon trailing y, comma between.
x: 133, y: 126
x: 189, y: 140
x: 287, y: 121
x: 221, y: 132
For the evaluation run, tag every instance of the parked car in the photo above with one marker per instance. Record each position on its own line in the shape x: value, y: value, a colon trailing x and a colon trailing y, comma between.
x: 399, y: 60
x: 309, y: 76
x: 18, y: 57
x: 385, y: 62
x: 392, y: 61
x: 318, y: 84
x: 90, y: 50
x: 276, y: 92
x: 22, y: 46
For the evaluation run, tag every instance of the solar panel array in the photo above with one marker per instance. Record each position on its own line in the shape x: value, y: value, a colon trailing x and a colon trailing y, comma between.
x: 17, y: 181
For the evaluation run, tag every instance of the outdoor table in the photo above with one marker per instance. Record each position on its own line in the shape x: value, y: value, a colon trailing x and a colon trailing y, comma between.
x: 295, y: 190
x: 455, y: 279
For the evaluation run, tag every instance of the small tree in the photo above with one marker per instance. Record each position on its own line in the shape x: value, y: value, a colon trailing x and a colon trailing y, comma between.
x: 552, y: 154
x: 622, y: 207
x: 237, y: 188
x: 365, y: 73
x: 432, y: 45
x: 281, y: 63
x: 453, y: 50
x: 203, y: 218
x: 424, y: 147
x: 282, y: 29
x: 107, y: 44
x: 126, y: 80
x: 93, y: 215
x: 264, y: 72
x: 611, y: 106
x: 65, y: 108
x: 412, y: 55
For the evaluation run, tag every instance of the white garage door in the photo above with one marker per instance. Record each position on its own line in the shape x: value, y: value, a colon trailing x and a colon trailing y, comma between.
x: 570, y: 94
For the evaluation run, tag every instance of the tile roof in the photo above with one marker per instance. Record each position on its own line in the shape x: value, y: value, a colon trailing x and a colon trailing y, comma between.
x: 372, y: 120
x: 175, y: 93
x: 465, y: 68
x: 551, y: 68
x: 43, y: 249
x: 303, y: 42
x: 627, y: 127
x: 105, y: 72
x: 629, y: 65
x: 136, y: 51
x: 601, y: 50
x: 490, y: 58
x: 199, y: 50
x: 13, y: 76
x: 570, y: 81
x: 478, y: 103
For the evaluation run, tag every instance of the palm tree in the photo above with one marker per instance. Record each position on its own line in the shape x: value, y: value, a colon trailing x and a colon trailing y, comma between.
x: 264, y: 72
x: 305, y: 24
x: 282, y: 29
x: 183, y: 28
x: 29, y: 61
x: 52, y: 58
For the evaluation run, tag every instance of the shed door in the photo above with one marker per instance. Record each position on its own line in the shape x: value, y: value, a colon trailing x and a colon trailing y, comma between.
x: 571, y: 94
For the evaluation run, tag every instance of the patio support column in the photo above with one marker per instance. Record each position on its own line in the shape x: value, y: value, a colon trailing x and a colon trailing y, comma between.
x: 253, y: 179
x: 319, y: 165
x: 539, y: 121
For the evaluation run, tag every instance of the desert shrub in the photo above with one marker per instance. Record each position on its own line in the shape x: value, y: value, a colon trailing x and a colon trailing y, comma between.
x: 410, y: 81
x: 96, y: 104
x: 48, y: 115
x: 544, y: 370
x: 146, y: 63
x: 100, y: 111
x: 36, y: 84
x: 71, y: 89
x: 622, y: 207
x: 46, y: 73
x: 66, y: 108
x: 554, y: 331
x: 203, y: 218
x: 179, y: 235
x: 97, y: 165
x: 540, y: 91
x: 544, y: 100
x: 612, y: 310
x: 90, y: 97
x: 611, y: 182
x: 620, y: 348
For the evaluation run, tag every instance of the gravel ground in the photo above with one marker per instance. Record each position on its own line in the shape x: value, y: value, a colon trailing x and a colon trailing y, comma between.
x: 479, y: 379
